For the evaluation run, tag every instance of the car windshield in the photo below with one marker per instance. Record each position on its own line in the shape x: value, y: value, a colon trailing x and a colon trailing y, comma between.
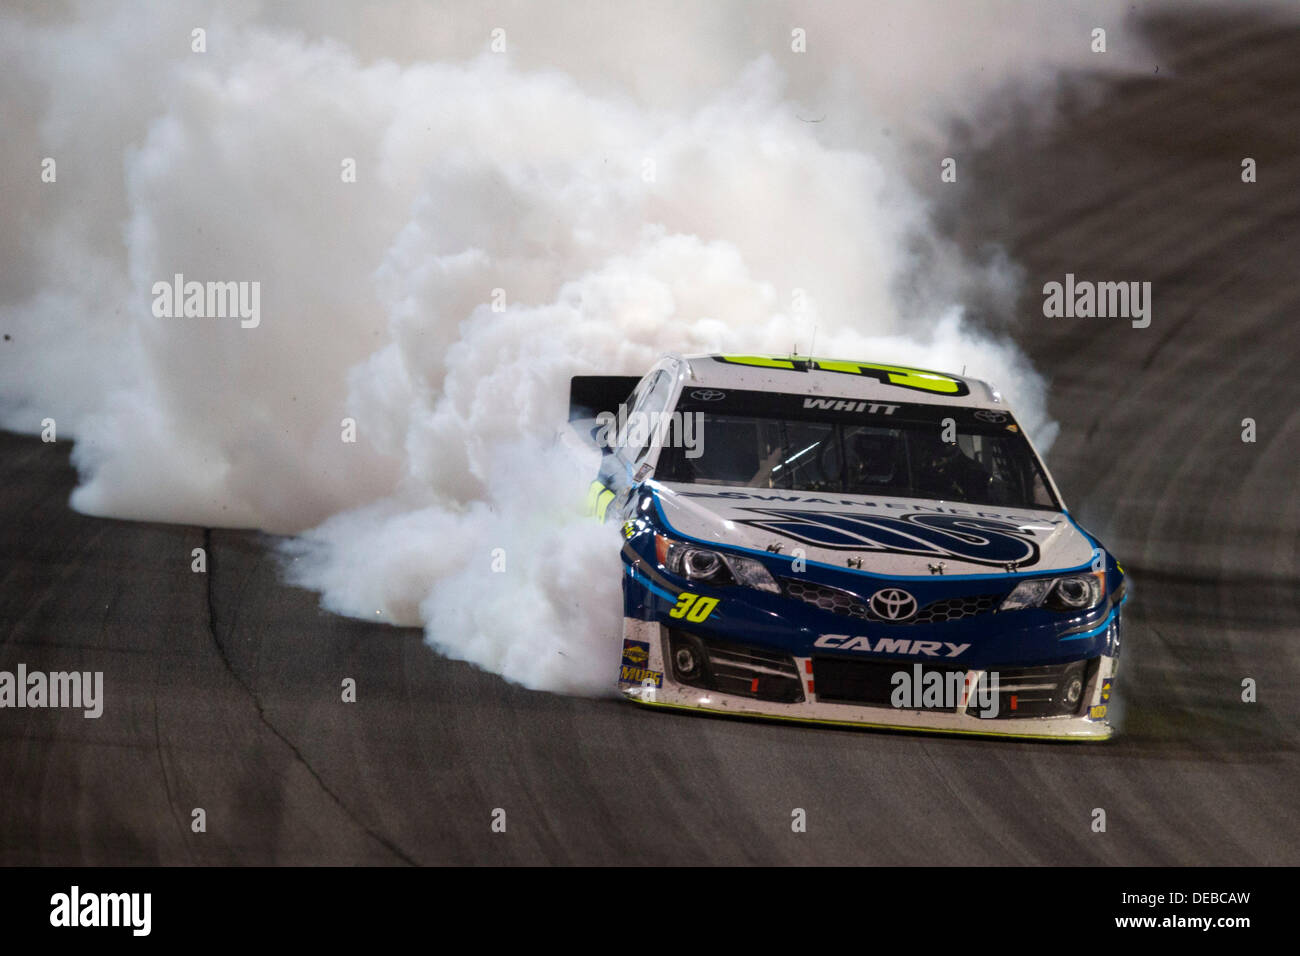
x: 988, y: 463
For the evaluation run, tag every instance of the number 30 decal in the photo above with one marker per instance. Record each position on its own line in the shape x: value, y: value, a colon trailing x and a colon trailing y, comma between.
x: 693, y: 607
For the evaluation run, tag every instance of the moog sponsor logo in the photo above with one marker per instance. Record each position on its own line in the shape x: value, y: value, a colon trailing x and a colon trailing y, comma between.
x: 890, y: 645
x: 102, y: 909
x: 633, y: 669
x: 640, y: 675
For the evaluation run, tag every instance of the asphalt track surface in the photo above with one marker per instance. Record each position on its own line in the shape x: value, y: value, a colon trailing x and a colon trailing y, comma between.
x: 223, y: 688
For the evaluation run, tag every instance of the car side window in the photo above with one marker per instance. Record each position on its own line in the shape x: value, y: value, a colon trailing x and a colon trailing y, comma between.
x: 645, y: 417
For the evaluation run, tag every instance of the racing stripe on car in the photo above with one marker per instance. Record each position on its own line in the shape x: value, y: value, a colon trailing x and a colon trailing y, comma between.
x: 647, y: 570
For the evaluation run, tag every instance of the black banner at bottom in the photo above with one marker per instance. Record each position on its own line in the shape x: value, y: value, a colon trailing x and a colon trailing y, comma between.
x: 944, y: 906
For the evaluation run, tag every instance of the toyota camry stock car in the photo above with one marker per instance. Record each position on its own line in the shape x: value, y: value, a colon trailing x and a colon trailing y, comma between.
x: 849, y: 543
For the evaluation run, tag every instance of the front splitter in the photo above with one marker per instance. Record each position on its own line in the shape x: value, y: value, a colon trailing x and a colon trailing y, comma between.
x: 871, y: 718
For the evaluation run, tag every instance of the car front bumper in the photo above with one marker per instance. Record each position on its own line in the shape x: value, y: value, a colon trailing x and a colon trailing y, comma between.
x: 652, y: 683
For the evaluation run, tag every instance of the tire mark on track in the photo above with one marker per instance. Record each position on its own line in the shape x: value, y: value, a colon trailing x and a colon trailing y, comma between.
x: 298, y: 755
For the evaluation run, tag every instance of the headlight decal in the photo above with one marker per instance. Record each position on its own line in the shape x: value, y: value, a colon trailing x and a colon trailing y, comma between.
x: 1094, y: 631
x: 643, y: 580
x: 646, y: 574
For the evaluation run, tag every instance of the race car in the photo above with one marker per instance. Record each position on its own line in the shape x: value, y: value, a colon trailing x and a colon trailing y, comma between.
x: 848, y: 542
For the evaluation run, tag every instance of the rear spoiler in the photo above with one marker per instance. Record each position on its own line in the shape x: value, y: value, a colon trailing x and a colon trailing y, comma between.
x: 589, y: 395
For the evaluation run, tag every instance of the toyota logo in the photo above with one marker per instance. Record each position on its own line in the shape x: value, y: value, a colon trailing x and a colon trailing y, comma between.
x: 893, y: 604
x: 707, y: 394
x: 991, y: 415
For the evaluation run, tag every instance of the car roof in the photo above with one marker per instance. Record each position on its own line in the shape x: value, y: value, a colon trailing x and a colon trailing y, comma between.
x: 846, y: 378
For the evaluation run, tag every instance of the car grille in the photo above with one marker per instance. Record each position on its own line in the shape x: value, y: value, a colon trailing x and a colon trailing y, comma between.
x: 842, y: 681
x: 1022, y: 691
x: 738, y: 669
x: 830, y: 599
x: 954, y: 609
x: 1037, y: 691
x: 848, y: 604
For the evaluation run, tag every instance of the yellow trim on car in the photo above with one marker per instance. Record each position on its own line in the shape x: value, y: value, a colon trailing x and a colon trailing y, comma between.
x: 902, y: 375
x: 826, y: 721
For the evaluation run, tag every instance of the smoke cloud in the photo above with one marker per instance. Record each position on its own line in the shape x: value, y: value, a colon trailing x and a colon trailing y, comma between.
x: 618, y: 181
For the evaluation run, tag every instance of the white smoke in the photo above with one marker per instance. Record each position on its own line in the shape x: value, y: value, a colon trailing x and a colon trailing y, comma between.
x: 623, y: 180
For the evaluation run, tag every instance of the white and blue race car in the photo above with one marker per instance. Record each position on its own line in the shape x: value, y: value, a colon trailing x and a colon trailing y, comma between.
x: 849, y: 543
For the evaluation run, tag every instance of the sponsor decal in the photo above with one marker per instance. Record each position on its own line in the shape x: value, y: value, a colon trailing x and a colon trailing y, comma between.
x: 1098, y: 711
x: 976, y: 540
x: 640, y: 675
x: 636, y: 654
x: 890, y: 645
x: 847, y: 405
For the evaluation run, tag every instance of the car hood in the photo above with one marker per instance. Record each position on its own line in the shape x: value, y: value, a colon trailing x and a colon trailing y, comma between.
x: 891, y: 536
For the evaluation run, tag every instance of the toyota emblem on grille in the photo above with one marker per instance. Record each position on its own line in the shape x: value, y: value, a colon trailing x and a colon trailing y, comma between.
x: 707, y: 394
x: 893, y: 604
